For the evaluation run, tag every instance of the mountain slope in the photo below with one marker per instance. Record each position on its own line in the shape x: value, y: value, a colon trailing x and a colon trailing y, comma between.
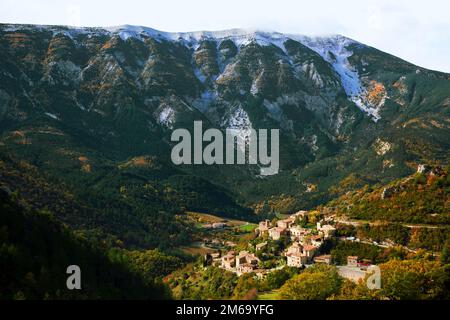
x: 419, y: 198
x: 35, y: 251
x: 94, y: 109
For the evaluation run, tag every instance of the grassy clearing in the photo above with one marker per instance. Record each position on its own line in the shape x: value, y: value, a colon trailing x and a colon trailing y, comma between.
x: 250, y: 227
x: 204, y: 218
x: 271, y: 295
x: 196, y: 248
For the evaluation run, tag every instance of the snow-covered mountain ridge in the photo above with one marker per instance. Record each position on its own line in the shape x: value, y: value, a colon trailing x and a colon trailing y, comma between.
x: 129, y: 87
x: 238, y: 36
x: 332, y: 48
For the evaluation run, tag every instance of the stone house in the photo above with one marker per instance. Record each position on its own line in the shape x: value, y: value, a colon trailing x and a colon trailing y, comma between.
x: 263, y: 227
x: 246, y: 257
x: 245, y: 268
x: 296, y: 260
x: 309, y: 251
x: 215, y: 255
x: 229, y: 260
x: 423, y: 168
x: 298, y: 255
x: 352, y: 261
x: 260, y: 246
x: 297, y: 233
x: 351, y: 273
x: 276, y: 233
x: 327, y: 230
x: 316, y: 241
x: 286, y: 223
x: 219, y: 225
x: 294, y: 248
x: 246, y: 262
x: 299, y: 214
x: 325, y: 259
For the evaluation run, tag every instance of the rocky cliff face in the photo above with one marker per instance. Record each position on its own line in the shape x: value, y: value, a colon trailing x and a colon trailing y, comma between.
x: 237, y: 78
x: 123, y: 90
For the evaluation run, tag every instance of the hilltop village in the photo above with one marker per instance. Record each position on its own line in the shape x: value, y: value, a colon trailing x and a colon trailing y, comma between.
x: 353, y: 248
x: 303, y: 246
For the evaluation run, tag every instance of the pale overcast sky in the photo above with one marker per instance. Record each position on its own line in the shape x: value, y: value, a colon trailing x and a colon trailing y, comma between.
x: 416, y: 30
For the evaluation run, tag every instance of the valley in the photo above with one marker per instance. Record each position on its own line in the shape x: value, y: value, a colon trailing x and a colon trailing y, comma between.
x: 87, y: 117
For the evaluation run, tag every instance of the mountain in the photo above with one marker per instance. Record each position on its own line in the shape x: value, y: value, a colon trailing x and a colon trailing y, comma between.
x: 92, y: 110
x: 421, y: 198
x: 36, y: 250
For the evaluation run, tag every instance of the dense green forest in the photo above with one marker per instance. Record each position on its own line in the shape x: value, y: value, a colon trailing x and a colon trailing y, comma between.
x: 87, y: 177
x: 417, y: 277
x: 35, y: 250
x: 433, y: 239
x: 419, y: 198
x: 118, y: 204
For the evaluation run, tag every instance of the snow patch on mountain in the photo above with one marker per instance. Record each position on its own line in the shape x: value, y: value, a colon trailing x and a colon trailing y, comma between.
x: 240, y: 37
x: 239, y: 124
x: 166, y: 116
x: 237, y: 119
x: 333, y: 48
x: 52, y: 115
x: 335, y: 51
x: 310, y: 70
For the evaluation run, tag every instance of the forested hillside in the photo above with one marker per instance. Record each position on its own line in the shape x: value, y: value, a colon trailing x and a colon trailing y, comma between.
x: 35, y: 251
x: 421, y: 198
